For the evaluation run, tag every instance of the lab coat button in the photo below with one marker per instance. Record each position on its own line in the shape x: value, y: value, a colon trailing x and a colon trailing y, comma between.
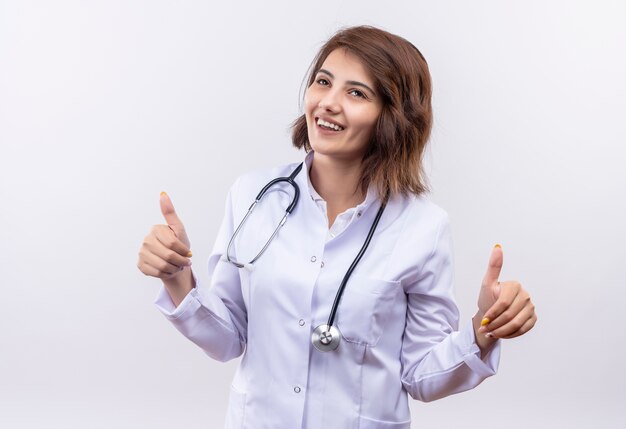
x: 301, y: 322
x: 296, y: 389
x: 358, y: 214
x: 313, y: 259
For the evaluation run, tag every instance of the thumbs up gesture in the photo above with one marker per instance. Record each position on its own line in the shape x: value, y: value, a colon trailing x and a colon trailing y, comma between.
x: 165, y: 252
x: 505, y: 309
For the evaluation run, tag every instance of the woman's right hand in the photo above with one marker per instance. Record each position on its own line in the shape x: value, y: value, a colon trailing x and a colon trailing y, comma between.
x: 165, y: 251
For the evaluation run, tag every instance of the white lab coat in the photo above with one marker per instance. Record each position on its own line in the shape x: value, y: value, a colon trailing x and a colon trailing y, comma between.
x: 397, y: 316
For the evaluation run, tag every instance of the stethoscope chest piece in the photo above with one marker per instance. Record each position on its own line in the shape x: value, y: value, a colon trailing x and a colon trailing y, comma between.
x: 326, y: 338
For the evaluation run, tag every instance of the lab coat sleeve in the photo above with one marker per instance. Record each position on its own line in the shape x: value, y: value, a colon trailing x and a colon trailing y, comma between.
x: 214, y: 319
x: 438, y: 359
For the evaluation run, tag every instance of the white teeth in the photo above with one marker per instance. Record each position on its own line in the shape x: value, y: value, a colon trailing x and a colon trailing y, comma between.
x: 325, y: 124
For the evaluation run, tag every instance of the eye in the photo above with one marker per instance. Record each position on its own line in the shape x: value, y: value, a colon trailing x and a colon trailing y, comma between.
x: 322, y: 81
x: 357, y: 93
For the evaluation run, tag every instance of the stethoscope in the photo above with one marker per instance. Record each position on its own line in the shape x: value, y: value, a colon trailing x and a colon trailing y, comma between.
x: 325, y: 337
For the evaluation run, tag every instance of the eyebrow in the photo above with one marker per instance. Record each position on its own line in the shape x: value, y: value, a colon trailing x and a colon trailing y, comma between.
x: 350, y: 82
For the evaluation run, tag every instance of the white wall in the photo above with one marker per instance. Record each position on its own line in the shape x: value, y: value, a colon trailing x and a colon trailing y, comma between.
x: 103, y: 104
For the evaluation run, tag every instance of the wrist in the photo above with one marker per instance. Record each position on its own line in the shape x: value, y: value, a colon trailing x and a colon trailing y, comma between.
x: 180, y: 285
x: 179, y: 279
x: 484, y: 342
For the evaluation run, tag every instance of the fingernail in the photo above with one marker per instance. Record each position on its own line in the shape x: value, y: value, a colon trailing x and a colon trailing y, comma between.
x: 188, y: 262
x: 498, y: 246
x: 489, y: 335
x: 163, y: 193
x: 189, y: 254
x: 482, y: 329
x: 484, y: 322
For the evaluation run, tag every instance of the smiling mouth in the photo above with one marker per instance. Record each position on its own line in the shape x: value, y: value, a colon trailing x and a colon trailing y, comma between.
x: 328, y: 125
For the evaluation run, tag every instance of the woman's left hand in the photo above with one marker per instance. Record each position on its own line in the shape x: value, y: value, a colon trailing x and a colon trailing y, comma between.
x: 505, y: 309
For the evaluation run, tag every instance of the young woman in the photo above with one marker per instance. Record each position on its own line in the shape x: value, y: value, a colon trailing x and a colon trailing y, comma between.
x: 350, y: 305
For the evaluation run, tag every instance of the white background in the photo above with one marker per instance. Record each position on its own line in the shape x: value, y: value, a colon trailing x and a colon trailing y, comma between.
x: 103, y: 104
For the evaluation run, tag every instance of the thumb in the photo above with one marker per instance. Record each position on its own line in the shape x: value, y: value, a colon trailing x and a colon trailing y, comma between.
x: 167, y: 209
x: 494, y: 267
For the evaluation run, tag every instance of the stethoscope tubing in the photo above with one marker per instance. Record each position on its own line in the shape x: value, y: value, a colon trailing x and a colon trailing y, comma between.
x: 324, y: 337
x: 346, y: 277
x: 291, y: 181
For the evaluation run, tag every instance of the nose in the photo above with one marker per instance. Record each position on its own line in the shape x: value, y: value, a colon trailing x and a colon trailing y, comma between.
x: 330, y: 101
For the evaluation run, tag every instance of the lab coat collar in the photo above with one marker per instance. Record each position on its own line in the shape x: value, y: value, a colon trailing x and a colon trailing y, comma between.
x: 370, y: 197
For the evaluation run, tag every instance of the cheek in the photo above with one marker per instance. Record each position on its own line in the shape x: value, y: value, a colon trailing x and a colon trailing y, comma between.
x: 367, y: 122
x: 307, y: 110
x: 309, y: 101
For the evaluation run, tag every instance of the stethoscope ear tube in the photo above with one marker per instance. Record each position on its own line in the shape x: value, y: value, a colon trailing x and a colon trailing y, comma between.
x: 288, y: 211
x: 289, y: 180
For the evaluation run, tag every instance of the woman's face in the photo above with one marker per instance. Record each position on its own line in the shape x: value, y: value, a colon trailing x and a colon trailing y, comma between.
x: 341, y: 107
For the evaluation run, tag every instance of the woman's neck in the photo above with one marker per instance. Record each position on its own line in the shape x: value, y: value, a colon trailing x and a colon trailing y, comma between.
x: 337, y: 182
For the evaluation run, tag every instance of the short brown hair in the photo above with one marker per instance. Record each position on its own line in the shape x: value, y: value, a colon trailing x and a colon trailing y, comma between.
x: 393, y: 160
